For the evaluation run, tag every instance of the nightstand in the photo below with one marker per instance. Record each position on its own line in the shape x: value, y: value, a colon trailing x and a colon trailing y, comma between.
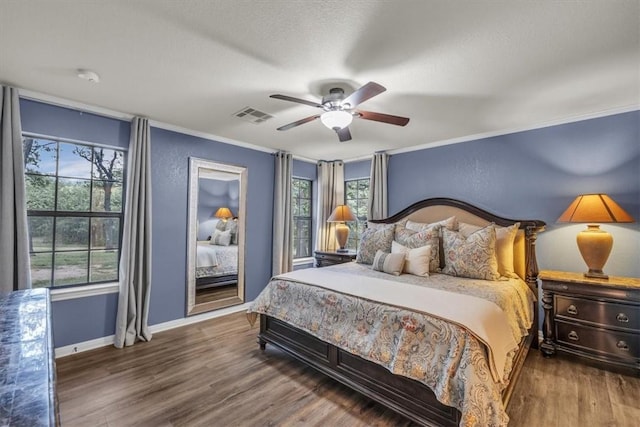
x: 325, y: 258
x: 594, y: 318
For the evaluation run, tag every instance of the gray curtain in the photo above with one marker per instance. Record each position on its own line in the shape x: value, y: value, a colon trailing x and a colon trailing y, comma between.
x: 282, y: 215
x: 135, y: 262
x: 377, y: 208
x: 14, y: 236
x: 330, y: 195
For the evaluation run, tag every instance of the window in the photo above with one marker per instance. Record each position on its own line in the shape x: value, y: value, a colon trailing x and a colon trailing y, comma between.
x: 301, y: 205
x: 356, y: 197
x: 74, y: 211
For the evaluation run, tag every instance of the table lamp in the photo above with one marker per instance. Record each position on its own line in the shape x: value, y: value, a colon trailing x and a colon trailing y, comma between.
x: 340, y: 215
x: 595, y: 244
x: 223, y: 213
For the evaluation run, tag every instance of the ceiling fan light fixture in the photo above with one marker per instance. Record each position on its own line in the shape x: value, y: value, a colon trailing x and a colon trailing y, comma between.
x: 336, y: 119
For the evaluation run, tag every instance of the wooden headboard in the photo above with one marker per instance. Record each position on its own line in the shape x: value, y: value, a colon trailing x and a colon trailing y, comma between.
x: 524, y: 253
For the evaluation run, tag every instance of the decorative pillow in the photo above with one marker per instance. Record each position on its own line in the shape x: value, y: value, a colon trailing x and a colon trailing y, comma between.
x: 374, y: 238
x: 232, y: 226
x: 474, y: 256
x: 416, y: 261
x: 221, y: 238
x: 450, y: 223
x: 415, y: 239
x: 505, y: 237
x: 221, y: 225
x: 388, y: 262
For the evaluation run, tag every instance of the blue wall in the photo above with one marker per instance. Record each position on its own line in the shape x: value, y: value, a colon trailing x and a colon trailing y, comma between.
x: 84, y: 319
x: 535, y: 175
x: 357, y: 170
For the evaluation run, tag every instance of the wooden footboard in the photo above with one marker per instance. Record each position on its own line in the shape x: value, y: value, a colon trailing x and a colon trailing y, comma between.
x: 408, y: 397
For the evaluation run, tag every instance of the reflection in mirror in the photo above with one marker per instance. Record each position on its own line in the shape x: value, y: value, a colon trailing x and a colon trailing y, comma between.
x: 215, y: 270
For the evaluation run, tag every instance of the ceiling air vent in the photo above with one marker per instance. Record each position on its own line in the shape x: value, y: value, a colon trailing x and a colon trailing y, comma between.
x: 252, y: 115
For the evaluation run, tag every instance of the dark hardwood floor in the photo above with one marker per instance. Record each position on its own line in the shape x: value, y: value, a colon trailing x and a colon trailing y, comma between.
x: 213, y: 374
x: 216, y: 293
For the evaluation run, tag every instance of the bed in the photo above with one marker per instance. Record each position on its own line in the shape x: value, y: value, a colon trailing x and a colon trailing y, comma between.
x: 397, y: 339
x: 216, y: 265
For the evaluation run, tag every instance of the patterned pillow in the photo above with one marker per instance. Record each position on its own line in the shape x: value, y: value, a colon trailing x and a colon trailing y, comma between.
x: 474, y: 256
x: 416, y: 261
x: 232, y: 226
x: 221, y: 225
x: 505, y: 237
x: 388, y: 263
x: 221, y: 238
x: 374, y: 238
x: 415, y: 239
x: 451, y: 223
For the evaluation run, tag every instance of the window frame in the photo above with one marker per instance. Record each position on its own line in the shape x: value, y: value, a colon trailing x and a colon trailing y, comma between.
x: 295, y: 218
x: 73, y: 290
x: 356, y: 228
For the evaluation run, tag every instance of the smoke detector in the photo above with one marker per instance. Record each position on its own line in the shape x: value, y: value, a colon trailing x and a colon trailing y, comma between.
x: 89, y: 75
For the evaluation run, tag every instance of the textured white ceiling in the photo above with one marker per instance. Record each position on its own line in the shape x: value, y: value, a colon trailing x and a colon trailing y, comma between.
x: 456, y: 68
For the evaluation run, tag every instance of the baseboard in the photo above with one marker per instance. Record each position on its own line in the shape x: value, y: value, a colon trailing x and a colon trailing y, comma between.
x: 68, y: 350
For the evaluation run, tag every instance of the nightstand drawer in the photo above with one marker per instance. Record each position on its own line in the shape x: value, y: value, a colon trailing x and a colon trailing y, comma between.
x: 603, y: 313
x: 619, y: 344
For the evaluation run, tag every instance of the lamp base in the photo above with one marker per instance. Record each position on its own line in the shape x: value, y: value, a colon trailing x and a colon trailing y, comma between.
x: 342, y: 235
x: 596, y: 275
x: 595, y: 246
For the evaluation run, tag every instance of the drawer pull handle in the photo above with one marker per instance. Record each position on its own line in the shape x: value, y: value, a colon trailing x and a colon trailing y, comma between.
x: 572, y: 309
x: 573, y: 336
x: 622, y: 345
x: 621, y: 317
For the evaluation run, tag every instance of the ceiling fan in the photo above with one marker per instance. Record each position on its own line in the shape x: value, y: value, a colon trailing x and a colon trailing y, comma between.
x: 339, y: 110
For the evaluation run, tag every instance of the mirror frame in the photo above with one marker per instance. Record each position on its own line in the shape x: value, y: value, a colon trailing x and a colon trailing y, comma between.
x: 195, y: 165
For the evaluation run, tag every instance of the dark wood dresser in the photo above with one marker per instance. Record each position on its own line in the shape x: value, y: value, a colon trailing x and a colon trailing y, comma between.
x: 27, y: 366
x: 594, y: 318
x: 326, y: 258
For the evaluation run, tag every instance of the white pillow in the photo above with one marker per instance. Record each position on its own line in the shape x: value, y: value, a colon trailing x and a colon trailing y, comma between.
x: 505, y: 237
x: 221, y: 238
x: 416, y: 261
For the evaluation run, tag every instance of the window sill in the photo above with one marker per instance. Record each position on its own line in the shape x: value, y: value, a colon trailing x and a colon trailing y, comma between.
x: 84, y: 291
x: 303, y: 261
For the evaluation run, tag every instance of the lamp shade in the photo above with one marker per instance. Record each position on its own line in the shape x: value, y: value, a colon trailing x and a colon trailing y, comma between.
x: 336, y: 119
x: 223, y: 213
x: 594, y: 208
x: 341, y: 213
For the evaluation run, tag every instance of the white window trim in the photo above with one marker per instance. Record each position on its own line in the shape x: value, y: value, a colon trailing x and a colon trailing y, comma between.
x: 303, y: 261
x: 62, y: 294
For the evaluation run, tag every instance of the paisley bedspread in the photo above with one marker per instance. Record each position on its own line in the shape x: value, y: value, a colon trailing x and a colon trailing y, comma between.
x: 446, y: 357
x: 226, y: 261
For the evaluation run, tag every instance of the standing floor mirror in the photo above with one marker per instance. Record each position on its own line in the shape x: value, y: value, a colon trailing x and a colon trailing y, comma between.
x: 216, y: 230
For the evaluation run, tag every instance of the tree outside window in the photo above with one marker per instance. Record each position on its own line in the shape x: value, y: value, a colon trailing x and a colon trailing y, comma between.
x: 302, y: 208
x: 74, y: 211
x: 356, y: 197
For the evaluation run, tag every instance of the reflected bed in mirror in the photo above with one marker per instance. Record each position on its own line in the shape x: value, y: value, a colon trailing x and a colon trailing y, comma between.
x: 215, y: 268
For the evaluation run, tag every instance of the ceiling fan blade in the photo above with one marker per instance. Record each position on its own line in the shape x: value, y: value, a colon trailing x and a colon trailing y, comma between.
x: 344, y: 134
x: 298, y: 100
x: 367, y: 91
x: 299, y: 122
x: 384, y: 118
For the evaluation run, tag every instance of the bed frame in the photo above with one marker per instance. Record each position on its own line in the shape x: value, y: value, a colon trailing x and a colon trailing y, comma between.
x: 374, y: 381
